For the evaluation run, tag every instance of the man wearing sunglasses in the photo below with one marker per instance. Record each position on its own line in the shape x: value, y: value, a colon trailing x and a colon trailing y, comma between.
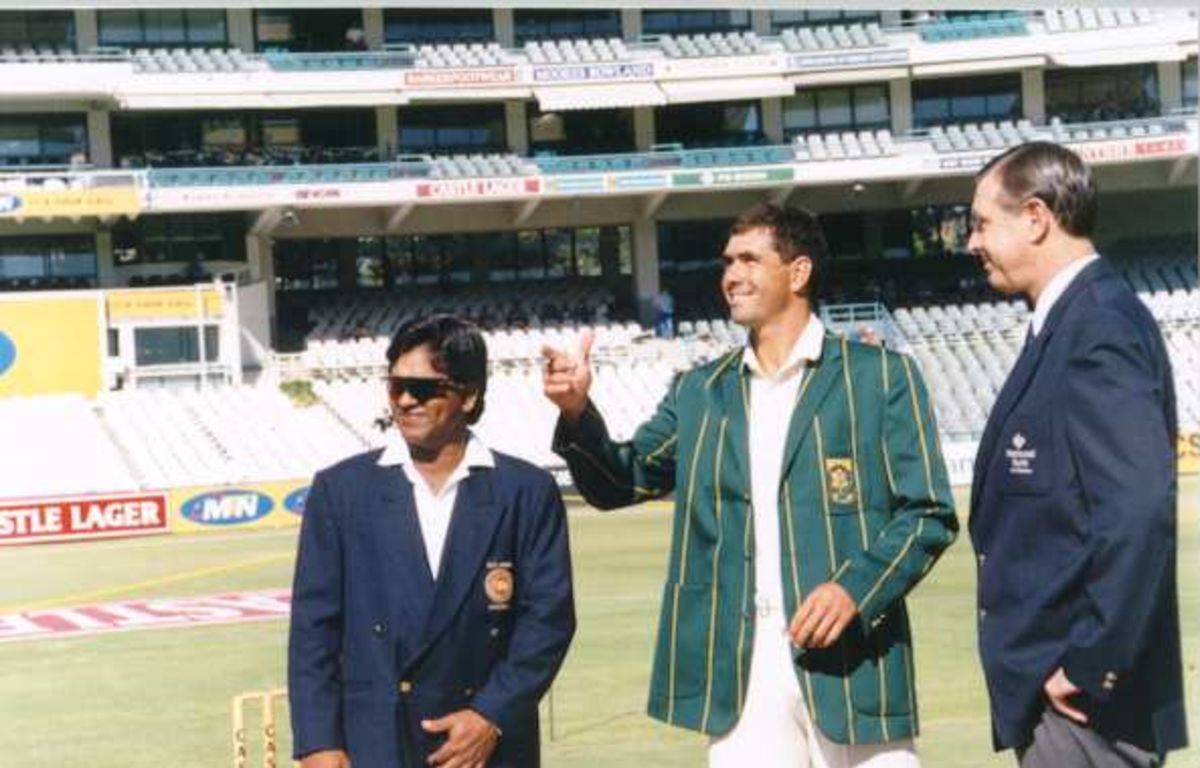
x: 432, y: 604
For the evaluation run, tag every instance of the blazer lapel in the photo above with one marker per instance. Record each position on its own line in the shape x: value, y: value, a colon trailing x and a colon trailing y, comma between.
x: 396, y: 534
x: 472, y: 526
x: 819, y: 379
x: 734, y: 392
x: 1022, y: 373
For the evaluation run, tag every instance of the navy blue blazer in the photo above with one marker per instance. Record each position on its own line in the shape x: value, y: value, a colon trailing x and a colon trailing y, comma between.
x: 376, y: 644
x: 1073, y: 521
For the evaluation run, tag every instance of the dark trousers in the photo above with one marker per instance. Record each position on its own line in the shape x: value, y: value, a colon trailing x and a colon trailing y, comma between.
x: 1062, y: 743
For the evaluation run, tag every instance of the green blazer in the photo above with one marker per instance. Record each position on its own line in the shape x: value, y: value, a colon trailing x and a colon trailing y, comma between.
x: 864, y: 501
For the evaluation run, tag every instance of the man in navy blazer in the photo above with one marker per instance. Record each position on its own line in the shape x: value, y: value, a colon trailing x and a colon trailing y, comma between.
x: 432, y: 603
x: 1073, y: 503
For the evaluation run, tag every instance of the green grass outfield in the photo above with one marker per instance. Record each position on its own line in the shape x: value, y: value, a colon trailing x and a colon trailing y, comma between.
x: 160, y: 699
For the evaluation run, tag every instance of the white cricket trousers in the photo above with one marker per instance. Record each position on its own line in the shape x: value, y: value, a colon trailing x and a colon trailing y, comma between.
x: 775, y: 730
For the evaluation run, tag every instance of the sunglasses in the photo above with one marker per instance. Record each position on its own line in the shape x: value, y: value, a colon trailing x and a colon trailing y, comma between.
x: 420, y: 388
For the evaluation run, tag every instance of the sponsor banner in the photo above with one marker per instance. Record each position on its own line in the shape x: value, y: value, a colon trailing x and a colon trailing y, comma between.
x: 50, y: 344
x: 575, y: 184
x: 1093, y: 152
x: 159, y: 613
x: 275, y: 195
x: 83, y: 517
x: 636, y: 180
x: 451, y: 189
x: 246, y: 505
x: 715, y: 178
x: 70, y: 203
x: 453, y: 78
x: 568, y: 72
x: 1187, y: 446
x: 1131, y: 149
x: 848, y: 59
x: 163, y: 303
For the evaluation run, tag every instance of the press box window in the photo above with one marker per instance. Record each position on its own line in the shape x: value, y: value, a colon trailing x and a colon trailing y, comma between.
x: 175, y: 345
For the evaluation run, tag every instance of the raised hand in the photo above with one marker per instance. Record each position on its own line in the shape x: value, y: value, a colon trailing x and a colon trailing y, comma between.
x: 568, y: 376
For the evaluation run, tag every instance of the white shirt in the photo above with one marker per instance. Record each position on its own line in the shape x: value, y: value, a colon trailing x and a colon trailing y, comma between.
x: 772, y: 400
x: 434, y: 509
x: 1055, y: 288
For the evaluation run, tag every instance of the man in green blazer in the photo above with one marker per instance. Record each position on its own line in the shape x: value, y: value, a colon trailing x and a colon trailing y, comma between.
x: 810, y: 496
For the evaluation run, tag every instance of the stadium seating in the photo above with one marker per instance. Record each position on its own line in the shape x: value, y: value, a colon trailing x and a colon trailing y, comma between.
x: 580, y: 51
x: 815, y: 39
x: 57, y: 445
x: 211, y: 60
x: 1058, y: 20
x: 222, y: 435
x: 972, y: 26
x: 710, y: 45
x: 847, y: 145
x: 460, y: 55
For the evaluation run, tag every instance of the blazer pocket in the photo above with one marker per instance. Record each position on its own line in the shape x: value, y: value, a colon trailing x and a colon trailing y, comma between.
x: 1024, y: 458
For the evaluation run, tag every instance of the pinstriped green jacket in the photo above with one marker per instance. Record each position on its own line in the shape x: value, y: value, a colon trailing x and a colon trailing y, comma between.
x: 864, y: 501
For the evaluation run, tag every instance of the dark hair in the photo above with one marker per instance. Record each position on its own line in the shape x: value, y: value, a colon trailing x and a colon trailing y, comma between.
x: 796, y: 232
x: 456, y: 349
x: 1053, y: 174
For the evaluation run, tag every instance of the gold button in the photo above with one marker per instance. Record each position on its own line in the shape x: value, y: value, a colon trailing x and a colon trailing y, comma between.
x: 1107, y: 685
x: 405, y: 686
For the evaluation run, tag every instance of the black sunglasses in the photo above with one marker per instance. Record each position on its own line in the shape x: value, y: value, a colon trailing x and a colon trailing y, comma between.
x: 420, y: 388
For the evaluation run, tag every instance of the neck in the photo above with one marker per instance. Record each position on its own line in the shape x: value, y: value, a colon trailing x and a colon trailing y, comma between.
x: 773, y: 341
x: 1058, y: 257
x: 436, y: 464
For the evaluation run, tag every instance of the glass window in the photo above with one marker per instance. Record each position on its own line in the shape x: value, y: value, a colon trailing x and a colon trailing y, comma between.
x: 207, y: 27
x: 324, y: 265
x: 174, y: 345
x: 41, y: 139
x: 427, y: 259
x: 710, y: 124
x: 587, y: 251
x: 120, y: 28
x: 440, y: 25
x: 942, y: 101
x: 188, y: 238
x: 281, y: 132
x: 531, y: 254
x: 453, y: 129
x: 1189, y: 82
x: 584, y: 132
x: 783, y: 19
x: 223, y: 133
x: 693, y: 22
x: 1102, y: 93
x: 37, y: 28
x: 368, y: 263
x: 541, y: 24
x: 400, y: 261
x: 308, y: 29
x: 560, y: 259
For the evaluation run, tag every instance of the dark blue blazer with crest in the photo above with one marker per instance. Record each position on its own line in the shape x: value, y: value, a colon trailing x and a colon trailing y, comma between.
x: 377, y: 644
x: 1073, y: 521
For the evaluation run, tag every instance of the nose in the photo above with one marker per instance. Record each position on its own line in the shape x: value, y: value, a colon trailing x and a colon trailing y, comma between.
x: 975, y: 246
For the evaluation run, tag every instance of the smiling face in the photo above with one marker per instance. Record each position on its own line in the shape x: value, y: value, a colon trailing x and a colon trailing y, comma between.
x: 1001, y: 232
x: 759, y: 286
x: 438, y: 421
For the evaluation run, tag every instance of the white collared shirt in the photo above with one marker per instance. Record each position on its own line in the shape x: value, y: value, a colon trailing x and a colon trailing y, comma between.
x: 1054, y: 289
x: 772, y: 400
x: 434, y: 509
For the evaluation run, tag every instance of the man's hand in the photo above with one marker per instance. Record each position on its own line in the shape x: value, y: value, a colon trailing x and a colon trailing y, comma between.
x: 567, y: 377
x: 470, y: 739
x: 1058, y: 692
x: 326, y: 758
x: 822, y: 617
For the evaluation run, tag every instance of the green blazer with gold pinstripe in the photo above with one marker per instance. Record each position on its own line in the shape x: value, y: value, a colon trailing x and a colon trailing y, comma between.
x: 864, y: 501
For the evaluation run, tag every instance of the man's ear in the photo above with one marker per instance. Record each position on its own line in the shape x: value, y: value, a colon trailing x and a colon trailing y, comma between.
x: 1039, y: 219
x: 799, y: 274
